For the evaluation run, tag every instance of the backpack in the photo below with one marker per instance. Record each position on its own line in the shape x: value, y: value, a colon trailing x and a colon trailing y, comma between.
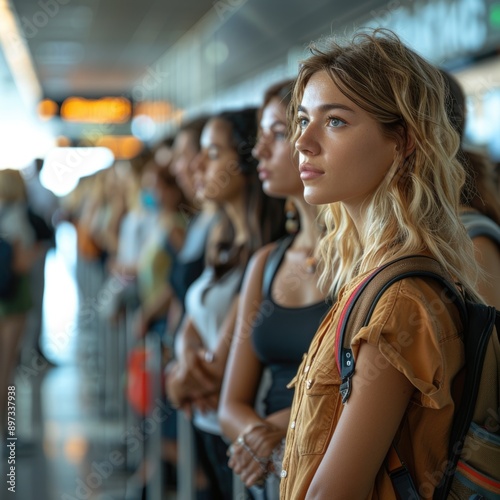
x: 473, y: 467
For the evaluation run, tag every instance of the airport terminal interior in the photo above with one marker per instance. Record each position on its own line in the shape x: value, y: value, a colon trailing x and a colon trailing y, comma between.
x: 89, y: 89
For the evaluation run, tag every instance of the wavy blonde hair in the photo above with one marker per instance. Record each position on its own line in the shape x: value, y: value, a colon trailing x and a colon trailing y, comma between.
x: 415, y: 208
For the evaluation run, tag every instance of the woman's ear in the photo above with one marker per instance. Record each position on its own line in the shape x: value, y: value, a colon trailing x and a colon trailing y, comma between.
x: 410, y: 144
x: 406, y: 142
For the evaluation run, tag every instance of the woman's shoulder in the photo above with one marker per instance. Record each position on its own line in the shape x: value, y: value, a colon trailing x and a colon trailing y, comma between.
x: 259, y: 258
x: 414, y: 305
x: 410, y: 304
x: 254, y: 272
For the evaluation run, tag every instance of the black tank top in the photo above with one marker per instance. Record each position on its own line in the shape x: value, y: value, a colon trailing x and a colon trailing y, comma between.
x: 282, y: 335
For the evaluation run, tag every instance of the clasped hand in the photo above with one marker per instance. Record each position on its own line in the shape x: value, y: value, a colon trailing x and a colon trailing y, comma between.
x: 250, y: 454
x: 194, y: 381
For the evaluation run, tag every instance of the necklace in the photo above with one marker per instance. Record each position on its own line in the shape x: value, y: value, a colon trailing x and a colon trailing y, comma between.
x: 311, y: 264
x: 305, y: 258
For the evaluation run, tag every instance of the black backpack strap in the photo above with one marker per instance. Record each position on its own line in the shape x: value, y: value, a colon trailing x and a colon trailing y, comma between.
x: 399, y: 475
x: 273, y: 263
x: 357, y: 313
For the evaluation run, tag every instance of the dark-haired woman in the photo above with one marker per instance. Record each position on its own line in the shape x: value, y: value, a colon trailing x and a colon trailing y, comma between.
x: 279, y: 312
x: 248, y: 220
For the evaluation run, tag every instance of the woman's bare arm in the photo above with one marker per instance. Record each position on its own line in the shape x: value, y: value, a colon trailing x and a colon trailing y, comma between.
x: 364, y: 432
x: 244, y: 370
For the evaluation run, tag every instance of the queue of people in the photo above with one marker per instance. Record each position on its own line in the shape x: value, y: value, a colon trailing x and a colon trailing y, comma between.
x: 241, y: 238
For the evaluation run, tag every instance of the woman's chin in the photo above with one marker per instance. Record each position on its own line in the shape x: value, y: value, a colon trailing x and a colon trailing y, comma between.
x: 313, y: 197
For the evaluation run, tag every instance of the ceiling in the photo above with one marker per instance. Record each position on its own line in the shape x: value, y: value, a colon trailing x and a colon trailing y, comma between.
x: 193, y: 50
x: 94, y: 47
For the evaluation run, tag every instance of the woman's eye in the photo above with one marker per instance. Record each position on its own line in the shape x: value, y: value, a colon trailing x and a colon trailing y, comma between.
x: 302, y: 122
x: 279, y: 135
x: 336, y: 122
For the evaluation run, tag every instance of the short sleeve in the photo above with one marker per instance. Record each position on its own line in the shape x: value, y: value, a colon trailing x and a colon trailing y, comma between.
x: 418, y: 333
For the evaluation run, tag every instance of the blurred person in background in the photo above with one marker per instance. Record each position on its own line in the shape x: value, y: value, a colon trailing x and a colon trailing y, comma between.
x: 280, y: 309
x: 162, y: 198
x: 165, y: 199
x: 189, y: 260
x: 185, y: 147
x: 17, y: 230
x: 105, y: 224
x: 137, y: 224
x: 480, y: 199
x: 248, y: 219
x: 43, y: 207
x: 90, y: 252
x: 201, y: 213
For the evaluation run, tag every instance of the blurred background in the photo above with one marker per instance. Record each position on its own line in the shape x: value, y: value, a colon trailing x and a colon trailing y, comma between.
x: 159, y: 61
x: 90, y: 89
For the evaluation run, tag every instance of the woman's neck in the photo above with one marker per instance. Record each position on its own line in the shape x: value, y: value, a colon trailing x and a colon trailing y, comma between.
x: 310, y: 231
x: 236, y: 210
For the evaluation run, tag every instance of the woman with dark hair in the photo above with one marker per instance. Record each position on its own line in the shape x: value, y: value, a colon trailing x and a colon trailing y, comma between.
x: 201, y: 214
x: 248, y: 219
x: 279, y: 310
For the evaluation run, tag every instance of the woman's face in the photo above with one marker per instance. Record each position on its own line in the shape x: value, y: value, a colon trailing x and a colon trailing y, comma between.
x: 343, y: 154
x: 184, y: 151
x: 222, y: 179
x: 277, y: 168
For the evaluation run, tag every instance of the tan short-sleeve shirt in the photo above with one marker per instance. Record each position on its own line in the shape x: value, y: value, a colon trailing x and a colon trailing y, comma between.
x: 417, y: 331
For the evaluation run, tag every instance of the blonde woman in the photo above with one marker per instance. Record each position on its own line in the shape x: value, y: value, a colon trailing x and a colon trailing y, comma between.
x: 376, y: 147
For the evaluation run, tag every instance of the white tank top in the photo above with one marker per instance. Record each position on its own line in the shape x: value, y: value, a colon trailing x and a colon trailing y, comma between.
x: 208, y: 309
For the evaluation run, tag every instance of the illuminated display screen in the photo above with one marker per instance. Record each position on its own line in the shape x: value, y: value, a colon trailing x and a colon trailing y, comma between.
x: 104, y: 110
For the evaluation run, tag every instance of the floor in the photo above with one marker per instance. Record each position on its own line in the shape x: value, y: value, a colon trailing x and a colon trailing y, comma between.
x: 74, y: 442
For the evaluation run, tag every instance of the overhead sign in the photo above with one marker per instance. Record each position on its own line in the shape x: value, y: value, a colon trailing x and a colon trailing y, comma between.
x: 104, y: 110
x: 439, y: 29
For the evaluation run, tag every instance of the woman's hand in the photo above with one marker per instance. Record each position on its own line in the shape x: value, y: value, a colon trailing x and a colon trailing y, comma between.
x: 250, y: 454
x: 202, y: 375
x: 207, y: 403
x: 183, y: 385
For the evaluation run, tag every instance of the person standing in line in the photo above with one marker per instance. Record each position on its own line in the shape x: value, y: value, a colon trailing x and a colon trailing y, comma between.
x: 280, y: 292
x: 201, y: 213
x: 43, y: 205
x: 248, y: 219
x: 480, y: 199
x: 15, y: 302
x: 376, y: 147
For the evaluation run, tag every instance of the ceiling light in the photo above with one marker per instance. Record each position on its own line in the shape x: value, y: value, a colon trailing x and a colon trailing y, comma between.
x: 17, y: 55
